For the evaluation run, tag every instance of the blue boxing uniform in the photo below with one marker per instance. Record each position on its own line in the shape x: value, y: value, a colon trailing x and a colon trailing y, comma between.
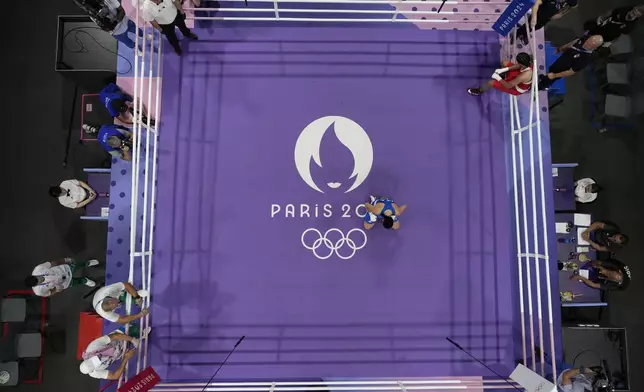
x: 108, y: 131
x: 110, y: 93
x: 389, y: 206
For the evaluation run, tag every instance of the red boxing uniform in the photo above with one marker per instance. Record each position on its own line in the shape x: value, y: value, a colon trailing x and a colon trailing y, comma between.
x: 511, y: 75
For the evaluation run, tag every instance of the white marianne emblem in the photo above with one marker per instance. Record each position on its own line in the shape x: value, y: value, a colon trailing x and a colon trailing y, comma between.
x: 349, y: 133
x: 345, y: 247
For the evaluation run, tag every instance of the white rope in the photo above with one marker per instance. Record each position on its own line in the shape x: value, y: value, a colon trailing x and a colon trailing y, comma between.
x: 525, y: 225
x: 157, y: 110
x: 535, y: 220
x: 545, y: 223
x: 144, y: 227
x: 134, y: 152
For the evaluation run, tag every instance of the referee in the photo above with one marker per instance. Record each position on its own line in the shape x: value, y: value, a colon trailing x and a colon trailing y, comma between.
x: 575, y: 56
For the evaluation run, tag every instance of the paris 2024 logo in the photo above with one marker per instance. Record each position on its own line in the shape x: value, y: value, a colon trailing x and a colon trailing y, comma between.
x: 333, y: 241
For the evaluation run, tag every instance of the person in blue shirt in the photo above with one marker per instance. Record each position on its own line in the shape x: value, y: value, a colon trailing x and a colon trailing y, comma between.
x: 117, y: 140
x: 385, y: 209
x: 119, y: 104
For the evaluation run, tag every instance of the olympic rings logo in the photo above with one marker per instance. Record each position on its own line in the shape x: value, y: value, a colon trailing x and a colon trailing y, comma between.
x: 331, y: 246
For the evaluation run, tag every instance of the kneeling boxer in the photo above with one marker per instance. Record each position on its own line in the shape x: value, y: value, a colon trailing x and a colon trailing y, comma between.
x: 385, y: 209
x: 514, y: 79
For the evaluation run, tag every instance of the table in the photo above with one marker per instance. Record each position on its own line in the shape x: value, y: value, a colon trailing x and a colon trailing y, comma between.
x: 564, y: 199
x: 99, y: 180
x: 90, y: 327
x: 590, y: 297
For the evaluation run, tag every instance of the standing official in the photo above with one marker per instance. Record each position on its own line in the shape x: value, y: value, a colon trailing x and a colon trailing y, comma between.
x: 55, y: 276
x: 619, y: 21
x: 165, y: 15
x: 575, y: 56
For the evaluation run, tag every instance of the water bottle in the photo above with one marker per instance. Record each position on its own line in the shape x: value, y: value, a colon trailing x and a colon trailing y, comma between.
x: 567, y: 240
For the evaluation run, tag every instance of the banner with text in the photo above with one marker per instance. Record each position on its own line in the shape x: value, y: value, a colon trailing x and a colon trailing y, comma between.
x: 511, y: 16
x: 142, y: 382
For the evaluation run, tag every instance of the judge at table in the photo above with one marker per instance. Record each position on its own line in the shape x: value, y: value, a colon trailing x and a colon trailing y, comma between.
x: 605, y: 236
x: 586, y: 190
x: 605, y: 275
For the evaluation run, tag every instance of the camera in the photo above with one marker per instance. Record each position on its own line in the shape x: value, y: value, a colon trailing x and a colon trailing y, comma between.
x: 603, y: 380
x: 126, y: 143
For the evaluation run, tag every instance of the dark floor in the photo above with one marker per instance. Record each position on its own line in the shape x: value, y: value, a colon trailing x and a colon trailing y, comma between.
x: 34, y: 227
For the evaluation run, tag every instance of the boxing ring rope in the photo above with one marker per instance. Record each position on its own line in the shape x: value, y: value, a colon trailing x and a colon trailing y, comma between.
x: 302, y: 386
x: 424, y: 14
x: 521, y: 215
x: 528, y: 247
x: 143, y: 249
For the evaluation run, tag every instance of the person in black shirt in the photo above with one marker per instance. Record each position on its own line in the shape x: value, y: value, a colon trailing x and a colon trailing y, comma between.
x: 606, y: 275
x: 575, y: 56
x: 605, y: 236
x: 619, y: 21
x: 543, y: 11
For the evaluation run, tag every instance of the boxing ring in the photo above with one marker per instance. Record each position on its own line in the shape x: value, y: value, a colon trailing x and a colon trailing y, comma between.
x: 237, y: 224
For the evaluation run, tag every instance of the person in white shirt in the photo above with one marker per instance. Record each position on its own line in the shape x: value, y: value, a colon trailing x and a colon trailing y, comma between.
x: 55, y: 276
x: 576, y: 380
x: 73, y: 193
x: 586, y: 190
x: 110, y: 16
x: 109, y: 298
x: 165, y: 15
x: 101, y: 353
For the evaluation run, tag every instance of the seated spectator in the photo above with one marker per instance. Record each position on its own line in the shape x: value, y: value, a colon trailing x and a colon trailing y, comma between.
x: 586, y: 190
x: 119, y: 104
x: 117, y: 140
x: 617, y: 22
x: 605, y: 236
x: 575, y: 56
x: 605, y: 275
x: 109, y: 298
x: 73, y: 193
x: 101, y: 353
x: 55, y: 276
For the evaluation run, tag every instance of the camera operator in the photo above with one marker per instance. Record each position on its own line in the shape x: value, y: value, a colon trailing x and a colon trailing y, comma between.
x: 110, y: 16
x: 576, y: 380
x: 119, y: 104
x: 117, y: 140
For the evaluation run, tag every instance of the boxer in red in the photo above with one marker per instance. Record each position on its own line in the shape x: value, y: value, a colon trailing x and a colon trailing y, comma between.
x: 514, y: 79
